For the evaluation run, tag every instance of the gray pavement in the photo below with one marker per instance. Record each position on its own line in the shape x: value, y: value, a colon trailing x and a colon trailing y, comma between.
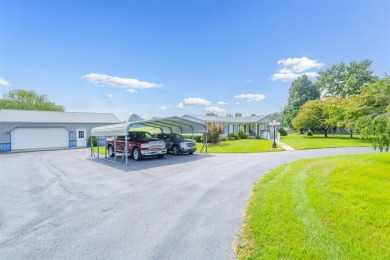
x: 65, y: 205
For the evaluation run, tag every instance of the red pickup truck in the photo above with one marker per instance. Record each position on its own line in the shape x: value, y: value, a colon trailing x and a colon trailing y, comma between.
x: 139, y: 144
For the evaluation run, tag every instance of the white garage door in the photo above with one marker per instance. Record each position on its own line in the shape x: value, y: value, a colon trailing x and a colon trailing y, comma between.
x: 29, y: 138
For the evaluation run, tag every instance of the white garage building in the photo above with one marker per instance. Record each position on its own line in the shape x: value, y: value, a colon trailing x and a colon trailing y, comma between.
x: 26, y: 129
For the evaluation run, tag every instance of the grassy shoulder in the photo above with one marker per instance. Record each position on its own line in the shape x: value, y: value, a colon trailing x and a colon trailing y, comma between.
x: 241, y: 146
x: 302, y: 142
x: 327, y: 208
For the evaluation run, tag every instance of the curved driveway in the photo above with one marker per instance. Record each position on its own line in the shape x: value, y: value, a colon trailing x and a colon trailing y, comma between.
x: 64, y: 205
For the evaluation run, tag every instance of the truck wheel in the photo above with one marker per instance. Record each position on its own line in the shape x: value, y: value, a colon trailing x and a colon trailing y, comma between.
x: 176, y: 150
x: 111, y: 152
x: 137, y: 154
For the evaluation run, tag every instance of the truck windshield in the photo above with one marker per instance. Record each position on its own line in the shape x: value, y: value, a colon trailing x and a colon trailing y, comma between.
x: 140, y: 135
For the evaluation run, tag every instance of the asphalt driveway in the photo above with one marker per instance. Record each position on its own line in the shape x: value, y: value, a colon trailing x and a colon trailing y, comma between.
x: 65, y: 205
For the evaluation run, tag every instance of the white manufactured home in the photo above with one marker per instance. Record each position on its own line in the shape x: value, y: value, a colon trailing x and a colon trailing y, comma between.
x: 252, y: 125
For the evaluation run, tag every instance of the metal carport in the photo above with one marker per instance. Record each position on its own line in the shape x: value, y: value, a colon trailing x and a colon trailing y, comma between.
x: 172, y: 124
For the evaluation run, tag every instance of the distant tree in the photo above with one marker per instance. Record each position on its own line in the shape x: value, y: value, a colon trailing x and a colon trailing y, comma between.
x: 371, y: 113
x: 134, y: 117
x: 301, y: 91
x: 345, y: 80
x: 253, y: 115
x: 276, y: 116
x: 28, y: 100
x: 210, y: 114
x: 237, y: 115
x: 314, y: 114
x: 229, y: 115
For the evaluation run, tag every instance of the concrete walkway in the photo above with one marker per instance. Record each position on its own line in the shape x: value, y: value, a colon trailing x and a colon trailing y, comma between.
x: 285, y: 146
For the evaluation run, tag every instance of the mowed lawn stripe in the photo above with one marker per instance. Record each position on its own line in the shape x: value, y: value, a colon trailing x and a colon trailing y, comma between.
x: 327, y: 208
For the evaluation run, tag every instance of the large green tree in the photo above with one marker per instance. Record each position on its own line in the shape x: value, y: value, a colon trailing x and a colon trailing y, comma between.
x: 28, y: 100
x: 134, y: 117
x: 301, y: 91
x: 319, y: 114
x: 371, y: 113
x: 345, y: 80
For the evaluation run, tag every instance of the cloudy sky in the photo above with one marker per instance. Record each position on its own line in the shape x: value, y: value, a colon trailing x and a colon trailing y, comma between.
x: 163, y: 58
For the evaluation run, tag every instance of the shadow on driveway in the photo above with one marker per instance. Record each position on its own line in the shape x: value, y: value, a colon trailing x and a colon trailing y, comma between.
x: 148, y: 163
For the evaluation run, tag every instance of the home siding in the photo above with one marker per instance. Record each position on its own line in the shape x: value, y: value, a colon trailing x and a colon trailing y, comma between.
x: 6, y: 128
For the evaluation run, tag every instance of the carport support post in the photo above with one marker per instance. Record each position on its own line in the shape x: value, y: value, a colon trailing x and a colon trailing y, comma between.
x: 115, y: 148
x: 105, y: 147
x: 91, y: 146
x: 126, y: 149
x: 206, y: 143
x: 98, y: 146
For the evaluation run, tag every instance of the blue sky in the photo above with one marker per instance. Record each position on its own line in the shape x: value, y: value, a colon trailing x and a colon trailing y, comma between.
x: 163, y: 58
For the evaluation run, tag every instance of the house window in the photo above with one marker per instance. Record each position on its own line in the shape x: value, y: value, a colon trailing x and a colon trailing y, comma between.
x: 225, y: 129
x: 235, y: 128
x: 81, y: 134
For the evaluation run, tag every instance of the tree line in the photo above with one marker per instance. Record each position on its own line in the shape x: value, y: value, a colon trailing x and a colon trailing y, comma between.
x: 348, y: 96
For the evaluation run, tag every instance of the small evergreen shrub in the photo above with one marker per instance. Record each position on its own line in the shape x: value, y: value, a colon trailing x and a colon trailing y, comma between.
x: 282, y: 131
x: 242, y: 135
x: 223, y: 139
x: 234, y: 135
x: 257, y: 136
x: 231, y: 138
x: 309, y: 133
x: 94, y: 141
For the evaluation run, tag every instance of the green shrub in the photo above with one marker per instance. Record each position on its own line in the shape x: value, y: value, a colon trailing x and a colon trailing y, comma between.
x: 234, y: 135
x: 257, y: 136
x: 309, y: 133
x: 231, y: 138
x: 282, y: 131
x: 94, y: 141
x: 223, y: 139
x: 197, y: 138
x: 242, y: 135
x: 215, y: 130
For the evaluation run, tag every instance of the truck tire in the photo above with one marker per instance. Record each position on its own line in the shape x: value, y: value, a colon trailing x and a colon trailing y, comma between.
x: 191, y: 152
x: 137, y: 154
x: 175, y: 150
x: 111, y: 152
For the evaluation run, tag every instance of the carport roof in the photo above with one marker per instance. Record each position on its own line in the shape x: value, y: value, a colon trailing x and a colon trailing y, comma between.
x: 167, y: 125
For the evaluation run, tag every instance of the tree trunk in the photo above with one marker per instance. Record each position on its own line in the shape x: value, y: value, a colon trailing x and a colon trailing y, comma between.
x: 351, y: 133
x: 326, y: 133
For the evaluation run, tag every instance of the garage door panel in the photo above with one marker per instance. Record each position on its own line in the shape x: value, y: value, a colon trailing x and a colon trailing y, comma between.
x: 30, y: 138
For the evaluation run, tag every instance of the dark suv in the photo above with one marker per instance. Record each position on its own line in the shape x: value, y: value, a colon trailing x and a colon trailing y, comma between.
x: 177, y: 144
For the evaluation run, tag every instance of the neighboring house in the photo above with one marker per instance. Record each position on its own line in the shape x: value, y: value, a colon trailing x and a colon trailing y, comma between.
x: 252, y: 125
x: 27, y: 129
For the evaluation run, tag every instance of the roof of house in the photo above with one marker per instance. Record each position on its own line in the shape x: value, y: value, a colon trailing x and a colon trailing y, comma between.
x: 230, y: 120
x: 35, y: 116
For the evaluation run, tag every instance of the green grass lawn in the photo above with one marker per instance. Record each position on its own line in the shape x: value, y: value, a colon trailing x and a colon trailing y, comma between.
x: 301, y: 142
x: 241, y: 146
x: 327, y: 208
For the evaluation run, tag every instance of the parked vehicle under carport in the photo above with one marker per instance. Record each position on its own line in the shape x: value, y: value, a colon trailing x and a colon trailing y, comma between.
x: 177, y: 144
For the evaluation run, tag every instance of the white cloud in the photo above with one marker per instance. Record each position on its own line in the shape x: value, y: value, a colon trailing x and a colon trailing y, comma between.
x: 214, y: 109
x: 222, y: 103
x: 292, y: 68
x: 250, y: 97
x: 4, y: 82
x: 180, y: 105
x: 300, y: 64
x: 165, y: 107
x: 109, y: 95
x: 237, y: 103
x: 196, y: 101
x: 116, y: 82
